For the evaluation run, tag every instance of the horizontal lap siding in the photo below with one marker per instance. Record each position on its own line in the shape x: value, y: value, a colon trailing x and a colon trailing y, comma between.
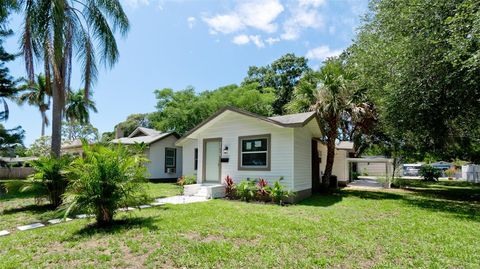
x: 156, y: 166
x: 339, y: 163
x: 232, y: 125
x: 188, y: 154
x: 303, y: 159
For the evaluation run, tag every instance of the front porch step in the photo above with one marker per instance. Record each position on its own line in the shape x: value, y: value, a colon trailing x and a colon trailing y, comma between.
x: 209, y: 191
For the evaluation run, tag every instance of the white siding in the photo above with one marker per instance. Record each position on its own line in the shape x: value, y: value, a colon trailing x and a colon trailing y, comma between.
x: 339, y: 163
x: 156, y: 154
x: 303, y: 158
x: 188, y: 154
x: 373, y: 169
x: 229, y: 126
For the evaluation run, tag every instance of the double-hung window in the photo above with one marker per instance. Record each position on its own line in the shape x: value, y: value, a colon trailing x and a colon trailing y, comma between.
x: 254, y: 152
x: 170, y: 160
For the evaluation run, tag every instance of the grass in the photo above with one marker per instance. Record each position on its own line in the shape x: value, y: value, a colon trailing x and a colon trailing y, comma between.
x: 20, y: 208
x: 427, y: 225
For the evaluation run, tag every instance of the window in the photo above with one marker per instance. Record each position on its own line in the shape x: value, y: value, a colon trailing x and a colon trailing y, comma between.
x: 170, y: 159
x: 254, y: 152
x: 195, y: 159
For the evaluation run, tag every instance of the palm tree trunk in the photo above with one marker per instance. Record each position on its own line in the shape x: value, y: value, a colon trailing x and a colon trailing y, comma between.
x: 57, y: 111
x: 44, y: 122
x: 331, y: 137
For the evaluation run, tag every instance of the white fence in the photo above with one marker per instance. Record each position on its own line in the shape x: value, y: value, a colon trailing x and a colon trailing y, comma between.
x: 15, y: 172
x: 471, y: 173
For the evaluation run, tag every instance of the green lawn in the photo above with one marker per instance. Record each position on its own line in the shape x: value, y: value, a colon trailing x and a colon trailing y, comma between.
x: 428, y: 225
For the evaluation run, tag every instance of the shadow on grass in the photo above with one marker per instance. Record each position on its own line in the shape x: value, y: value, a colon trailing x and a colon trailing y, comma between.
x: 422, y: 199
x: 323, y: 200
x: 118, y: 226
x: 37, y: 209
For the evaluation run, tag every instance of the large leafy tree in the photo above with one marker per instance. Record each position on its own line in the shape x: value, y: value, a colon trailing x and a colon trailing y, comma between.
x: 10, y: 140
x: 37, y: 94
x: 78, y: 106
x: 180, y: 111
x: 72, y: 130
x: 57, y: 30
x: 420, y: 60
x: 282, y: 75
x: 331, y: 93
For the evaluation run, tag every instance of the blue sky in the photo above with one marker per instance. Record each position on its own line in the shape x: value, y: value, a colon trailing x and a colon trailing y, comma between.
x: 205, y: 44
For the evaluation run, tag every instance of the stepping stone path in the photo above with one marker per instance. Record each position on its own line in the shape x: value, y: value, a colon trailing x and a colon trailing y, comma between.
x: 126, y: 209
x: 4, y: 233
x: 182, y: 199
x: 144, y: 206
x: 157, y: 204
x: 83, y: 216
x: 57, y: 221
x: 30, y: 226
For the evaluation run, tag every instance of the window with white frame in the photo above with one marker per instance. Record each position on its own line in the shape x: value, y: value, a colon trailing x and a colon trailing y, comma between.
x: 254, y: 152
x: 170, y: 159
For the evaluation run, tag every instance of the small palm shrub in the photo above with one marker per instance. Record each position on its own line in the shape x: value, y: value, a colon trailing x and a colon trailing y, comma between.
x: 450, y: 172
x: 230, y: 188
x: 278, y: 194
x: 246, y: 190
x: 429, y: 173
x: 49, y: 180
x: 105, y: 179
x: 187, y: 180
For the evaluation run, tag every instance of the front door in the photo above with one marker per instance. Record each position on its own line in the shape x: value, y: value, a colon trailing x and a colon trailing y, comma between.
x: 212, y: 151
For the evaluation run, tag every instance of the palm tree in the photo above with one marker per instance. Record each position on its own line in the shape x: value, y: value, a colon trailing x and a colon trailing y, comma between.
x: 78, y: 106
x: 55, y: 30
x: 37, y: 94
x: 329, y: 92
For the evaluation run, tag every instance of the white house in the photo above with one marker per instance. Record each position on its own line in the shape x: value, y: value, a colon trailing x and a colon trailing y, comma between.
x: 165, y: 157
x: 245, y: 145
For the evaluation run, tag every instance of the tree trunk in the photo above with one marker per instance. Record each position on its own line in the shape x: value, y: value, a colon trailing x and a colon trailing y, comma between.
x: 331, y: 137
x: 57, y: 111
x: 44, y: 123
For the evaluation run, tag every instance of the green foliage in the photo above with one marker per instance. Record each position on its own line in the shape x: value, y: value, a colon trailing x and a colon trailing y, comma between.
x: 278, y: 193
x: 282, y: 75
x: 187, y: 180
x: 11, y: 140
x: 72, y: 130
x: 180, y: 111
x: 37, y: 94
x: 40, y: 147
x: 130, y: 124
x: 246, y: 190
x: 429, y: 173
x: 105, y: 179
x: 49, y: 178
x: 450, y: 172
x: 7, y: 82
x: 420, y: 62
x: 258, y: 190
x: 78, y: 106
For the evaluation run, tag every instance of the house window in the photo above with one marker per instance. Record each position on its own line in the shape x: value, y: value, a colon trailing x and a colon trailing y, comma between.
x: 254, y: 152
x: 195, y: 159
x: 170, y: 160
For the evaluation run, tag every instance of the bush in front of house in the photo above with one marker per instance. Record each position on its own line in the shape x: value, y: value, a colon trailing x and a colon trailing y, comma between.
x: 187, y: 180
x: 105, y: 179
x: 257, y: 190
x: 49, y: 180
x: 429, y: 173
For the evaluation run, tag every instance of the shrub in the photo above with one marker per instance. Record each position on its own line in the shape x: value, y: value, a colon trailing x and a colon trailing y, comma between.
x: 263, y: 190
x: 450, y: 172
x: 429, y: 173
x: 105, y: 179
x: 246, y: 190
x: 230, y: 188
x: 278, y: 194
x: 187, y: 180
x: 49, y: 180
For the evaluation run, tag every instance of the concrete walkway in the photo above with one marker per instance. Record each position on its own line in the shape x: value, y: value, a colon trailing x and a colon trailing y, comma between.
x: 181, y: 199
x: 365, y: 184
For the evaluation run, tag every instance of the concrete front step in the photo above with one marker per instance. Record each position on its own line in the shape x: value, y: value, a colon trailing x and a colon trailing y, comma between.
x: 207, y: 190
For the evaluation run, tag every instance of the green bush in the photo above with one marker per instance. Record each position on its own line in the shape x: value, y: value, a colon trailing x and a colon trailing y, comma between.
x: 429, y: 173
x: 278, y: 194
x: 246, y: 190
x: 187, y: 180
x: 105, y: 179
x: 49, y: 180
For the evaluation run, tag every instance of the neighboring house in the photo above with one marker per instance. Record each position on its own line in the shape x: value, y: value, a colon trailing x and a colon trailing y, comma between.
x: 74, y: 147
x: 165, y: 158
x: 245, y: 145
x: 16, y: 167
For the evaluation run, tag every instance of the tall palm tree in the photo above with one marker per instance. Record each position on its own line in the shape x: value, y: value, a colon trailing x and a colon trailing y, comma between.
x: 329, y: 92
x: 56, y: 30
x: 78, y: 107
x: 37, y: 94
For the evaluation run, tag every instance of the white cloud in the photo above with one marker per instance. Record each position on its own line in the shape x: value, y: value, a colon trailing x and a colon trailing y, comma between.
x: 241, y: 39
x: 191, y: 22
x: 322, y: 52
x: 259, y: 15
x: 272, y: 40
x: 137, y: 3
x: 245, y: 39
x: 304, y: 15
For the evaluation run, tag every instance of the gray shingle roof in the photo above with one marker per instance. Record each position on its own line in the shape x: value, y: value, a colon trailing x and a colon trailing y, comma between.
x: 298, y: 118
x: 147, y: 136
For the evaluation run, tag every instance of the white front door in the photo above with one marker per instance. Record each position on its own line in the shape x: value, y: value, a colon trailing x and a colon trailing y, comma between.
x: 212, y: 149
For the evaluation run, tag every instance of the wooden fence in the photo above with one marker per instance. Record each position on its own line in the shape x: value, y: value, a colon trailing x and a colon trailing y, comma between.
x: 15, y: 172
